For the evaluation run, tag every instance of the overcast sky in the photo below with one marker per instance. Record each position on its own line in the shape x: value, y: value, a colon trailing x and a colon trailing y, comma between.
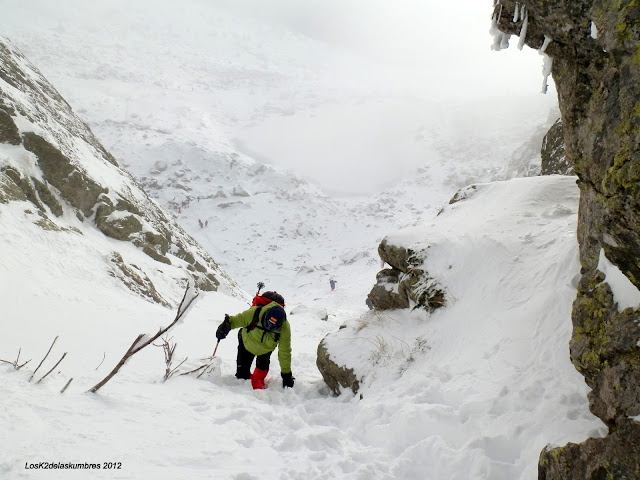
x: 431, y: 60
x: 443, y: 43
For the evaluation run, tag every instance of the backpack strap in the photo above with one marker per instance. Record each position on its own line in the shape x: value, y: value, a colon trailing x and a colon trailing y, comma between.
x: 254, y: 324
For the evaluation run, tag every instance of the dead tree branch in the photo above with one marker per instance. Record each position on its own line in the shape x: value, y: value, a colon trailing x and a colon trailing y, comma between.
x: 142, y: 341
x: 103, y: 357
x: 16, y: 361
x: 169, y: 349
x: 67, y: 385
x: 53, y: 368
x: 45, y: 357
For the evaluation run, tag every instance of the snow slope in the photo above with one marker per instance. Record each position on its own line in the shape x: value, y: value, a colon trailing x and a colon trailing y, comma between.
x: 473, y: 391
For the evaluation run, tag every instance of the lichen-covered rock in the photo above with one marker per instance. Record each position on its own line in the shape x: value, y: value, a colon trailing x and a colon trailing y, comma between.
x: 385, y: 294
x: 397, y: 257
x: 9, y: 190
x: 405, y: 283
x: 47, y: 197
x: 9, y: 133
x: 596, y: 459
x: 72, y: 182
x: 596, y: 69
x: 135, y: 279
x: 25, y: 185
x: 335, y: 376
x: 554, y: 160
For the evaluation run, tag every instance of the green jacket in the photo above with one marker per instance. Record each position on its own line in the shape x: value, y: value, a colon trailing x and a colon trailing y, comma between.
x: 259, y: 342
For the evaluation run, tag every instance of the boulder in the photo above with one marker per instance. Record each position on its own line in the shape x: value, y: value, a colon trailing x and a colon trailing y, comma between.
x: 554, y: 159
x: 335, y: 376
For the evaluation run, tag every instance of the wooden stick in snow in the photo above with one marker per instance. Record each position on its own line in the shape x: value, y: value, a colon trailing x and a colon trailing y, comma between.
x: 45, y: 357
x: 138, y: 344
x: 53, y: 368
x: 65, y: 387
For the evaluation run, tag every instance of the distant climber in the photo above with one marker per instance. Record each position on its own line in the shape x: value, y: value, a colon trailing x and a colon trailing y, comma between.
x: 263, y: 327
x: 200, y: 223
x: 332, y: 282
x: 369, y: 303
x: 206, y: 223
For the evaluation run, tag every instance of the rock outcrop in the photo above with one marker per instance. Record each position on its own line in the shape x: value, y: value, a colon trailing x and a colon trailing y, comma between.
x: 554, y: 160
x: 593, y: 45
x: 406, y: 283
x: 52, y: 160
x: 335, y: 376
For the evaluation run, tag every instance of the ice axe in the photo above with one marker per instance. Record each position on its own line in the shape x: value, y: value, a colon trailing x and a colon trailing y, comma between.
x: 216, y: 349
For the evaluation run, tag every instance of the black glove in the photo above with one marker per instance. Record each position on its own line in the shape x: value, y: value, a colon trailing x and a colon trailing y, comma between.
x: 224, y: 328
x: 260, y: 285
x: 287, y: 379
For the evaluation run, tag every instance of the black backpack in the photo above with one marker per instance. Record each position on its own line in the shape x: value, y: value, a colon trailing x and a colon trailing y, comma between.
x: 256, y: 320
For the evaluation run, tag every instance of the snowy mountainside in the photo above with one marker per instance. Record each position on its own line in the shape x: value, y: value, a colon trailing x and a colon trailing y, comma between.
x: 473, y: 391
x: 66, y: 182
x: 493, y: 363
x: 205, y: 100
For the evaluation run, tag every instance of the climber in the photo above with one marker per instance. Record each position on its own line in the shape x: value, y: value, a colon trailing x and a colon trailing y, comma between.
x: 262, y: 329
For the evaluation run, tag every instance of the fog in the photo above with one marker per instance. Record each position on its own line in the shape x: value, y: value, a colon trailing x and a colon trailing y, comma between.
x: 351, y: 94
x: 443, y: 86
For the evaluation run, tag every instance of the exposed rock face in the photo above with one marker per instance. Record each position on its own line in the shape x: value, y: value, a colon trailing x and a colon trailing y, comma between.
x: 554, y: 159
x: 405, y: 282
x: 598, y: 81
x: 601, y: 458
x: 335, y: 376
x: 54, y: 162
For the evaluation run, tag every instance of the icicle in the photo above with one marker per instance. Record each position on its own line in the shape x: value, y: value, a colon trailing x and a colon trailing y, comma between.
x: 523, y: 30
x: 505, y: 41
x: 498, y: 36
x: 547, y: 62
x: 594, y: 31
x: 515, y: 13
x: 545, y: 44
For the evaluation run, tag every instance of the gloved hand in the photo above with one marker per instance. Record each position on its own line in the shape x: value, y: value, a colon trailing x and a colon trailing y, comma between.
x: 287, y: 379
x: 260, y: 285
x: 224, y: 328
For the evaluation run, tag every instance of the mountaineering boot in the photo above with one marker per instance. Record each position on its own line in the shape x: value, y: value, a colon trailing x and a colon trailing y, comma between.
x: 257, y: 378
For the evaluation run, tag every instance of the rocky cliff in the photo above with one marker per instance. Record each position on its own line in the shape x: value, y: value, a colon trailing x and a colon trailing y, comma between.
x: 68, y: 182
x: 594, y: 53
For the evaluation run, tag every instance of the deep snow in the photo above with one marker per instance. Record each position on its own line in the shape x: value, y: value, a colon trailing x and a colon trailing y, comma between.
x: 473, y: 391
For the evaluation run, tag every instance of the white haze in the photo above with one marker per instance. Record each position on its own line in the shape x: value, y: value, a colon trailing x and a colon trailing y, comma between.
x: 351, y: 95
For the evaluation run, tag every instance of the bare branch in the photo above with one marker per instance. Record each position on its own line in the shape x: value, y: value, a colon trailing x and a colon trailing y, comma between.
x: 176, y: 369
x: 118, y: 366
x: 54, y: 367
x: 104, y: 355
x: 18, y: 367
x: 169, y: 349
x: 65, y: 387
x: 45, y: 357
x: 194, y: 370
x: 139, y: 344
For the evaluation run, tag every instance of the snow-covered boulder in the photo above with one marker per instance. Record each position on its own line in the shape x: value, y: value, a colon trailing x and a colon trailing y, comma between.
x: 316, y: 312
x: 335, y: 376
